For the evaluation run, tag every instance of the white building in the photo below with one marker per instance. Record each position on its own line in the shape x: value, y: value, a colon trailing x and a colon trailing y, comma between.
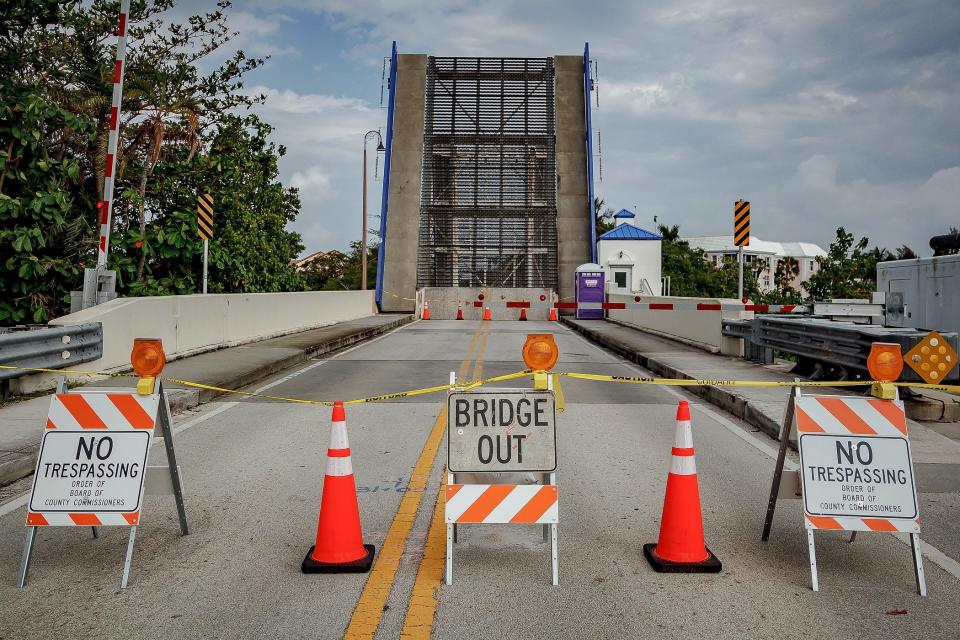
x: 721, y: 248
x: 630, y: 256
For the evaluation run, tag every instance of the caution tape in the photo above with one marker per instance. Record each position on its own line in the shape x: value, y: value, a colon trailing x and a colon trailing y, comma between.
x: 460, y: 386
x: 690, y: 382
x: 596, y: 377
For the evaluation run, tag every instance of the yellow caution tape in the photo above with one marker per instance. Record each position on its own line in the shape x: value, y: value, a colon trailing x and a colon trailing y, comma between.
x: 689, y: 382
x: 671, y: 382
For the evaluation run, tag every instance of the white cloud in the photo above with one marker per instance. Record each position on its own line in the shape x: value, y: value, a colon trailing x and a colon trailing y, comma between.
x: 313, y: 183
x: 323, y: 135
x: 821, y: 113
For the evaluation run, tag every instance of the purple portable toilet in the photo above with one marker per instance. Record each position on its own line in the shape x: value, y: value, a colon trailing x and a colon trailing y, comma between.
x: 591, y: 287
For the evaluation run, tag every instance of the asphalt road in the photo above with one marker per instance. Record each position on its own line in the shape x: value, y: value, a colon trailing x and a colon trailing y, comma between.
x: 253, y: 474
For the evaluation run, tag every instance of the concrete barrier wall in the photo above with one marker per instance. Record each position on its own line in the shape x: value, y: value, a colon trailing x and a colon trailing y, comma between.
x: 443, y: 302
x: 196, y: 323
x: 698, y: 328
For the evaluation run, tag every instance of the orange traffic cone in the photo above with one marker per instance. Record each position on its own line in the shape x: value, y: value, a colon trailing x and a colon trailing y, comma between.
x: 459, y: 312
x: 680, y: 548
x: 339, y: 547
x: 553, y: 314
x: 426, y: 311
x: 523, y: 313
x: 486, y: 313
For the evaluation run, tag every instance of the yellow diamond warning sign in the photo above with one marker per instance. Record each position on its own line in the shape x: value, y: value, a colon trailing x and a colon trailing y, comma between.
x: 932, y: 358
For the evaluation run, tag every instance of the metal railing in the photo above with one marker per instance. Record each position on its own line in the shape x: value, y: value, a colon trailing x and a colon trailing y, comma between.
x: 50, y: 348
x: 824, y: 347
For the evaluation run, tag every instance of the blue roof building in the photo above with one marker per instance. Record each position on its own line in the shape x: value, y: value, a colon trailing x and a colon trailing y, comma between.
x: 631, y: 267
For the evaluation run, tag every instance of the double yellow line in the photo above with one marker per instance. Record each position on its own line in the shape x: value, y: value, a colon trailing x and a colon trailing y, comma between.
x: 423, y: 603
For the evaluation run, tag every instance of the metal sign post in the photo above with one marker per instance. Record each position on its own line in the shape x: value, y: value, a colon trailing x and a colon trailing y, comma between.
x: 740, y: 277
x: 741, y: 236
x: 92, y: 468
x: 205, y: 228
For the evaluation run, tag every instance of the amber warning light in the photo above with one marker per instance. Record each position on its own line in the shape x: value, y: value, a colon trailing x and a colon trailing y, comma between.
x: 540, y: 352
x: 885, y: 362
x: 147, y: 357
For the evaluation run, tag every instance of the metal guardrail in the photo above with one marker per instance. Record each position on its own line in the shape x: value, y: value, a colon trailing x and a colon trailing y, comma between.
x: 50, y: 347
x: 821, y: 344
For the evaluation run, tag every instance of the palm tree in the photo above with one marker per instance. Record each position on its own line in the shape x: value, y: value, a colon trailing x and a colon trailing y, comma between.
x: 669, y: 234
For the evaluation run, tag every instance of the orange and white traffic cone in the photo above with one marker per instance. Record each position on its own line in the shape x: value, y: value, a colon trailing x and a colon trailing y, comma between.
x: 486, y: 313
x: 553, y: 314
x: 459, y: 312
x: 339, y: 547
x: 523, y: 313
x: 680, y: 548
x: 426, y: 311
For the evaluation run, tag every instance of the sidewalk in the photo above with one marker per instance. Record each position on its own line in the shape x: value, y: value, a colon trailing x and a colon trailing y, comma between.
x: 936, y: 452
x: 21, y: 423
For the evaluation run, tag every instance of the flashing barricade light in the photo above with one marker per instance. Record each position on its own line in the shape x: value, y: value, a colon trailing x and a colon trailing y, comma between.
x: 540, y: 352
x: 147, y: 357
x: 884, y: 362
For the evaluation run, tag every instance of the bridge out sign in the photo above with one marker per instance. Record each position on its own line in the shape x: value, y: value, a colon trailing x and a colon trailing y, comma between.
x: 501, y: 430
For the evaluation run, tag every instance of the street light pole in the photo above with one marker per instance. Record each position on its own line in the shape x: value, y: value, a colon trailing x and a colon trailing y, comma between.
x: 363, y: 216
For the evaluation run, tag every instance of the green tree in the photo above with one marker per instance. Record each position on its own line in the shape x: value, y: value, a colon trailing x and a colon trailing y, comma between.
x: 906, y: 253
x: 849, y: 270
x: 603, y: 216
x: 786, y: 271
x: 335, y: 271
x: 181, y: 132
x: 692, y: 274
x: 42, y: 243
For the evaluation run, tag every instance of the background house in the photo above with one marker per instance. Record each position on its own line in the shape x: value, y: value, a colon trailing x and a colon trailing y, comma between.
x: 763, y: 255
x: 630, y: 256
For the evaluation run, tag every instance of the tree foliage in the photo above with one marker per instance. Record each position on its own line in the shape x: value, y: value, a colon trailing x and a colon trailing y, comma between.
x: 849, y: 270
x: 182, y: 132
x: 335, y: 271
x: 691, y: 274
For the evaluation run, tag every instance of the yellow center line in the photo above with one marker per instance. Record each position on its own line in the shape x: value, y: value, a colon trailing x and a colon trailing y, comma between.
x: 422, y: 608
x: 369, y: 610
x: 418, y: 623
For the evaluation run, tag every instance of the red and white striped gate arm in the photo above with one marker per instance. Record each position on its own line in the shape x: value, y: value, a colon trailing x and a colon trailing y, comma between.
x: 106, y: 207
x: 641, y: 306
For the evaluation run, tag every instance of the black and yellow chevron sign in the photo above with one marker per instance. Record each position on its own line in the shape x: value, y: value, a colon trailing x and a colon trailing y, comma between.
x: 205, y: 216
x: 741, y: 223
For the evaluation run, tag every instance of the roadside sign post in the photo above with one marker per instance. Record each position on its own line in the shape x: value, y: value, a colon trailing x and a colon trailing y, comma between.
x: 205, y: 228
x: 92, y: 468
x: 494, y: 431
x: 856, y: 470
x: 741, y: 235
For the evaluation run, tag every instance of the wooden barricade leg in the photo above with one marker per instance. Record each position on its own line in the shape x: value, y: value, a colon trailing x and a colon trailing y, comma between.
x: 554, y: 556
x: 27, y: 553
x: 129, y: 557
x: 166, y: 424
x: 781, y: 458
x: 918, y: 564
x: 814, y: 581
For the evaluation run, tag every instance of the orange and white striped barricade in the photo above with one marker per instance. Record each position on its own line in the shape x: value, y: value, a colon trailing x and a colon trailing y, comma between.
x: 92, y: 468
x: 856, y: 470
x: 498, y: 431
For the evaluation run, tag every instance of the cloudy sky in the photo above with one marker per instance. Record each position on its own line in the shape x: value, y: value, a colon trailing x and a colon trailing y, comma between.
x: 820, y: 113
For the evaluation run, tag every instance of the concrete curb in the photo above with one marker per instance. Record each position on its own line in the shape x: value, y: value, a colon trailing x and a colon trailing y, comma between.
x: 183, y: 399
x: 725, y: 399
